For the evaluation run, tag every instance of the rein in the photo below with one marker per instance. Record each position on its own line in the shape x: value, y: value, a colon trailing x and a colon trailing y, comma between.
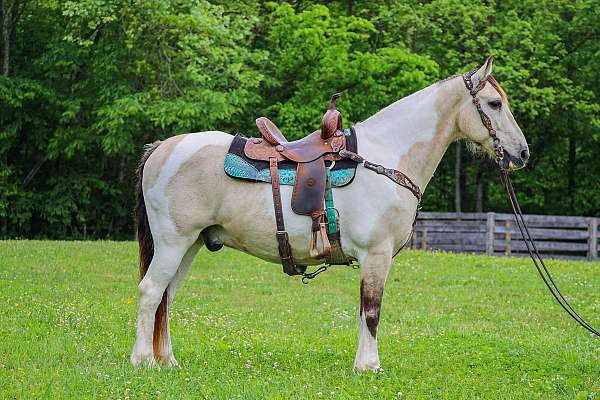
x: 535, y: 256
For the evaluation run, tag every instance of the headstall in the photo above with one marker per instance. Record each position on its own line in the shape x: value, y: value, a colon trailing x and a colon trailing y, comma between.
x: 487, y: 122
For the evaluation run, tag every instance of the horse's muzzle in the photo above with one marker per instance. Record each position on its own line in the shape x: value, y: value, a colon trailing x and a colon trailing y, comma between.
x: 511, y: 162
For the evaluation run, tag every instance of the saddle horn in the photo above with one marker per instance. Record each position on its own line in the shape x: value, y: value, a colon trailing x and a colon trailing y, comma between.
x: 332, y: 120
x: 334, y: 100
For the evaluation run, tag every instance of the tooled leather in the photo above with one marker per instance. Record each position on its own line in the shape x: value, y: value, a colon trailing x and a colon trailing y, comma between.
x: 332, y: 122
x: 310, y: 154
x: 270, y: 131
x: 283, y: 244
x: 261, y: 150
x: 299, y: 151
x: 309, y: 191
x: 276, y: 195
x: 308, y: 148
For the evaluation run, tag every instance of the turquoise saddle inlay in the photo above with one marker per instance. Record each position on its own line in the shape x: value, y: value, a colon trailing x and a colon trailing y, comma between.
x: 237, y: 167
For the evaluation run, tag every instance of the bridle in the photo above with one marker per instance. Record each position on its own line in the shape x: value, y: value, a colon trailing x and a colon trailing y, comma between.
x: 487, y: 122
x: 537, y: 259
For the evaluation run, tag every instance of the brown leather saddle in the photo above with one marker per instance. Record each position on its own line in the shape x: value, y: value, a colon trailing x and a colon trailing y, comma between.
x: 308, y: 197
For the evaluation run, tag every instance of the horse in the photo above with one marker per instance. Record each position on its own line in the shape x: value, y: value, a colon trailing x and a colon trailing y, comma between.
x: 182, y: 190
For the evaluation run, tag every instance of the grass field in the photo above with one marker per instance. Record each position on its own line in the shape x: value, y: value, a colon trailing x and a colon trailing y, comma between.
x: 453, y: 326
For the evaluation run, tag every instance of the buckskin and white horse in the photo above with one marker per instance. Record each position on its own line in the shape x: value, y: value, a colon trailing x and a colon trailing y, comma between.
x: 183, y: 189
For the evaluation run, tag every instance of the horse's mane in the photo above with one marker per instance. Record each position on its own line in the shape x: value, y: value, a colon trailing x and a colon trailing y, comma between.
x: 448, y: 78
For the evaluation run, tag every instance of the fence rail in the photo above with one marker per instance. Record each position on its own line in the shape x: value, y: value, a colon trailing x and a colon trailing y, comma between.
x: 555, y: 236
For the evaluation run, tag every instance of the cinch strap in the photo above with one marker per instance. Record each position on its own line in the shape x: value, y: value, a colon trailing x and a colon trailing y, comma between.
x: 329, y: 207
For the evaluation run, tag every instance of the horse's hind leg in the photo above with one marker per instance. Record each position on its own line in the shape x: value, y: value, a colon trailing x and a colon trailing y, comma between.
x: 150, y: 336
x: 166, y: 350
x: 374, y: 269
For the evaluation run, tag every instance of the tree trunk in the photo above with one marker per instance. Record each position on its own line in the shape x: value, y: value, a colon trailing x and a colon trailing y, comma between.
x: 7, y: 26
x: 571, y: 170
x: 480, y: 187
x: 457, y: 188
x: 6, y: 21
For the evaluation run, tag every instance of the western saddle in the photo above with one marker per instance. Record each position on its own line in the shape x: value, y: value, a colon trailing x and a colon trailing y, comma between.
x: 308, y: 196
x: 312, y: 188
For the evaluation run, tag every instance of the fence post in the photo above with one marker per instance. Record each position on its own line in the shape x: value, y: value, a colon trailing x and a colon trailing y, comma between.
x: 507, y: 238
x: 489, y: 239
x: 593, y: 239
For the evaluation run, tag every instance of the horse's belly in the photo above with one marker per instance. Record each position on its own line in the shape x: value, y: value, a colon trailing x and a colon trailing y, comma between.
x: 249, y: 225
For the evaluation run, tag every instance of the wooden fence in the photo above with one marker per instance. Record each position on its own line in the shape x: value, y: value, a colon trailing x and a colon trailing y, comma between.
x: 497, y: 234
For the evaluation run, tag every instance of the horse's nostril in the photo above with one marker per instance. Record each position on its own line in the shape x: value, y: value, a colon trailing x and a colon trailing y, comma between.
x: 524, y: 154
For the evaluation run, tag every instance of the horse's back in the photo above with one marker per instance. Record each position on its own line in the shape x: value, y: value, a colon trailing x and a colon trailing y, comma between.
x: 175, y: 151
x: 176, y: 171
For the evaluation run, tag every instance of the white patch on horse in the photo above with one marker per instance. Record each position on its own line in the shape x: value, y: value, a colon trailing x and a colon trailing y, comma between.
x: 367, y: 357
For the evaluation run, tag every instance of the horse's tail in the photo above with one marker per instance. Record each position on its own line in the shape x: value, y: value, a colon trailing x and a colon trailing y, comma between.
x: 142, y: 227
x: 146, y: 245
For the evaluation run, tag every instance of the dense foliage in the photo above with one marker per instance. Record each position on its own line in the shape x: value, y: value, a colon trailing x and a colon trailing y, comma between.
x: 86, y: 83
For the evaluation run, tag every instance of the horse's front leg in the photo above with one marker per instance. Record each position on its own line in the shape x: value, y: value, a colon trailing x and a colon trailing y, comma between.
x: 374, y: 268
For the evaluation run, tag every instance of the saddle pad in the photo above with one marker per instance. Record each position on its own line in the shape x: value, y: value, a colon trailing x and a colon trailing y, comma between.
x: 237, y: 165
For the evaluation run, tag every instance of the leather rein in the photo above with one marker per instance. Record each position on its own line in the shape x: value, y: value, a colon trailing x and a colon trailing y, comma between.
x: 537, y: 259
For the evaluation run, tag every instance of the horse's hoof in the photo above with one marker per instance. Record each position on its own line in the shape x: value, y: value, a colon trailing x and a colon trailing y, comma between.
x: 171, y: 362
x: 144, y: 360
x: 366, y: 367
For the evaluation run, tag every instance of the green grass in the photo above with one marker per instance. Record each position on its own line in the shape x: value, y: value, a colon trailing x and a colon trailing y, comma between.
x: 453, y: 326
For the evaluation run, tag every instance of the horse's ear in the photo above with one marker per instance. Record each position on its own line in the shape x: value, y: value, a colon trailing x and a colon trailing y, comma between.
x: 483, y: 72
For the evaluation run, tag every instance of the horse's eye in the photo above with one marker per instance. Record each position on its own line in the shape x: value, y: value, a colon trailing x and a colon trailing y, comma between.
x: 495, y: 104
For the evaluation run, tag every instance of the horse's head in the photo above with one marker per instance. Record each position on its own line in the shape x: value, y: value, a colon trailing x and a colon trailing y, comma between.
x: 493, y: 105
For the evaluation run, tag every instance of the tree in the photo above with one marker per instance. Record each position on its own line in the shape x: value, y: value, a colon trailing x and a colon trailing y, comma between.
x: 85, y: 83
x: 119, y: 74
x: 314, y: 55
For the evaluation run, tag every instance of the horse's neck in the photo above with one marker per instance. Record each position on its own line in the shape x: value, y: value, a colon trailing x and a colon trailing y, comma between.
x: 413, y: 133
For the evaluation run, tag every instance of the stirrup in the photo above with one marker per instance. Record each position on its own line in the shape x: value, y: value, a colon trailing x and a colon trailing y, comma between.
x: 314, y: 252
